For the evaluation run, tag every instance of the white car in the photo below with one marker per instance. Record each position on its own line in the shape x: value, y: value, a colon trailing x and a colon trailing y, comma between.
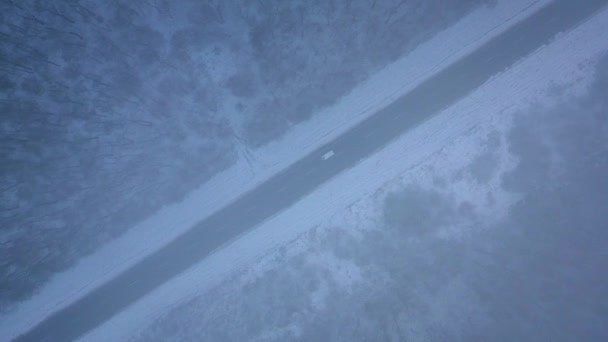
x: 328, y: 155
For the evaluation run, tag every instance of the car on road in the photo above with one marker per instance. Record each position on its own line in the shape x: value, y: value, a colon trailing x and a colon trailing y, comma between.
x: 328, y: 155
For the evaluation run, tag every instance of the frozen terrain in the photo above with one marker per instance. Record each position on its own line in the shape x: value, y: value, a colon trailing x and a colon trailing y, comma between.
x: 280, y: 280
x: 112, y: 110
x: 443, y: 146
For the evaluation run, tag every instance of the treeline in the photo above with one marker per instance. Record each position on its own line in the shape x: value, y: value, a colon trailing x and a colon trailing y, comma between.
x: 112, y: 109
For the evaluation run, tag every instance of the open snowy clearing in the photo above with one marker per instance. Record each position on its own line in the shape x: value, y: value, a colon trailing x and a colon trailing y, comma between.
x: 148, y: 236
x: 445, y: 144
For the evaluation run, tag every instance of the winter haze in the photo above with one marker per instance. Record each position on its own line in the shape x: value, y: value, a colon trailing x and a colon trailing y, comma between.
x: 381, y: 170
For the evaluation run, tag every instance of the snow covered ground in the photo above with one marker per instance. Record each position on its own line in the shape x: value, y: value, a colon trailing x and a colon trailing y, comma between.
x: 445, y: 144
x: 476, y: 116
x: 439, y: 150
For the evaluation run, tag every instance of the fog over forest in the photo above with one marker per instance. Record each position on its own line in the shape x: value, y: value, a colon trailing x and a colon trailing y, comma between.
x: 111, y: 110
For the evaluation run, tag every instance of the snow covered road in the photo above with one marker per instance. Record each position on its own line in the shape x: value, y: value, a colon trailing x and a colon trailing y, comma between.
x: 429, y: 98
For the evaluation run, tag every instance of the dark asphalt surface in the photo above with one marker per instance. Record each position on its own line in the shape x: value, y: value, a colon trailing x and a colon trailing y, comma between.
x: 286, y: 188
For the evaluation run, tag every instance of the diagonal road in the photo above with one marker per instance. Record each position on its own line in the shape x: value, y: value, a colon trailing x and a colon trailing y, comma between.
x: 283, y: 190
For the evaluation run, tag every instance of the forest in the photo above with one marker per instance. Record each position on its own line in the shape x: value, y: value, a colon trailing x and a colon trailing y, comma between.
x: 113, y: 109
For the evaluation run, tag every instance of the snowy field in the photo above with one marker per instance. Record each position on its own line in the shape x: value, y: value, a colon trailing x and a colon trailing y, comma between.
x: 380, y: 90
x: 438, y: 150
